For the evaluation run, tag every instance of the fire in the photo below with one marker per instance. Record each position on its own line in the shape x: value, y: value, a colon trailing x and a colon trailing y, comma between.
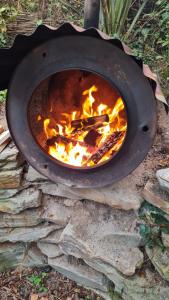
x: 88, y: 136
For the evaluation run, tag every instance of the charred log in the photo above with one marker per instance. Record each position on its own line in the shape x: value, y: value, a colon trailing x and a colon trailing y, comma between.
x: 92, y: 137
x: 66, y: 140
x: 111, y: 141
x: 85, y: 123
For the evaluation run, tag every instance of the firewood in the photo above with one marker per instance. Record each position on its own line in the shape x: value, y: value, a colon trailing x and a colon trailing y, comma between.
x: 85, y: 123
x: 4, y: 140
x: 66, y: 140
x: 4, y: 136
x: 1, y: 129
x: 60, y: 138
x: 92, y: 137
x: 106, y: 146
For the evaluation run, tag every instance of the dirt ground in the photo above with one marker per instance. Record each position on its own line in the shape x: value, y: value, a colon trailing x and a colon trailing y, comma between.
x: 41, y: 284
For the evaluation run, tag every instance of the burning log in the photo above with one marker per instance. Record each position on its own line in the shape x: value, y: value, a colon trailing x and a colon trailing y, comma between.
x: 85, y: 123
x: 60, y: 138
x: 110, y: 142
x: 92, y: 137
x: 66, y: 140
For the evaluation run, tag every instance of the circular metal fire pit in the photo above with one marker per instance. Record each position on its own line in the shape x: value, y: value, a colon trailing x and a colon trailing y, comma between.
x: 120, y: 70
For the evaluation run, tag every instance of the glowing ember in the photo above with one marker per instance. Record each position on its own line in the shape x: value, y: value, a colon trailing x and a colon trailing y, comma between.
x: 87, y: 136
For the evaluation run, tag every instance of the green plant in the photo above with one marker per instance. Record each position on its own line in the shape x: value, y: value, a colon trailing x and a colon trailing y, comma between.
x: 114, y: 15
x: 132, y: 25
x: 2, y: 40
x: 3, y: 95
x: 88, y: 297
x: 7, y: 13
x: 28, y: 5
x: 152, y: 33
x: 39, y: 22
x: 155, y: 223
x: 38, y: 281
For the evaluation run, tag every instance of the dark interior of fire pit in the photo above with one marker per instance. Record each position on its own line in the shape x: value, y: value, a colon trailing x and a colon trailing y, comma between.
x: 78, y: 118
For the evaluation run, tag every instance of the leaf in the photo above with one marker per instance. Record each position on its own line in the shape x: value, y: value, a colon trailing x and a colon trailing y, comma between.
x: 145, y: 230
x: 39, y: 22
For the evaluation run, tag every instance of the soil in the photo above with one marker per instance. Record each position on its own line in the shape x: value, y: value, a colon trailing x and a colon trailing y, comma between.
x: 17, y: 285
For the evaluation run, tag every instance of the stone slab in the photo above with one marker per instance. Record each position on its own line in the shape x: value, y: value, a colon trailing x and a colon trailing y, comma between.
x: 154, y: 195
x: 50, y: 250
x: 53, y: 238
x: 163, y: 179
x: 55, y: 211
x: 5, y: 194
x: 9, y: 154
x: 27, y: 198
x: 12, y: 165
x: 31, y: 217
x: 122, y: 195
x: 78, y: 271
x: 58, y: 190
x: 34, y: 176
x: 98, y: 231
x: 33, y: 257
x: 27, y: 234
x: 11, y: 255
x: 146, y: 285
x: 10, y: 179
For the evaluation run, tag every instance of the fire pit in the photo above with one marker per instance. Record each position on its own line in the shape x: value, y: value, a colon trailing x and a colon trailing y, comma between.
x: 81, y: 121
x: 79, y: 108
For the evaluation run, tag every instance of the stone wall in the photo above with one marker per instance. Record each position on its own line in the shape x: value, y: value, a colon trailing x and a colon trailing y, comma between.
x: 89, y: 235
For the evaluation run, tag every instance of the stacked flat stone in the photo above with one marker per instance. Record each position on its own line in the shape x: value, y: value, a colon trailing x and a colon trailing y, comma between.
x: 89, y: 235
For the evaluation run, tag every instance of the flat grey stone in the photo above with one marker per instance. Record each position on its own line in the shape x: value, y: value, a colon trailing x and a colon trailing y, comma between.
x: 27, y: 234
x: 27, y: 198
x: 122, y: 195
x: 34, y: 176
x: 78, y: 271
x: 148, y: 285
x: 31, y: 217
x: 10, y: 153
x: 11, y: 255
x: 10, y: 179
x: 163, y: 179
x: 12, y: 165
x: 98, y: 231
x: 50, y: 250
x: 33, y: 257
x: 5, y: 194
x: 58, y: 190
x: 55, y: 211
x: 154, y: 195
x: 53, y: 238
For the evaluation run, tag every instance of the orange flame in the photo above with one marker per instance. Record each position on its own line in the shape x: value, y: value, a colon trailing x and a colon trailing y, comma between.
x: 72, y: 148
